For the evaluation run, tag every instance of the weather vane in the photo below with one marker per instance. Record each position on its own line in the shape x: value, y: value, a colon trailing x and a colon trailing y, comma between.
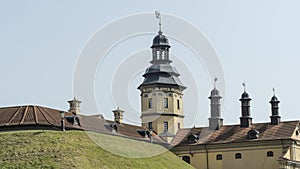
x: 244, y: 84
x: 215, y: 82
x: 157, y: 15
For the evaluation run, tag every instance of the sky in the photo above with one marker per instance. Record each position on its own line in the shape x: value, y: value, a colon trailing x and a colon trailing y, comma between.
x: 257, y: 42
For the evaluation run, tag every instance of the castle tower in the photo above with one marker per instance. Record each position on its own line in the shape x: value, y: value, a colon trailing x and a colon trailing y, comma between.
x: 246, y: 119
x: 215, y: 120
x: 161, y: 92
x: 74, y: 106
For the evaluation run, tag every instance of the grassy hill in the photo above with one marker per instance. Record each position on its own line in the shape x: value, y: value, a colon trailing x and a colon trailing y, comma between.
x: 75, y: 149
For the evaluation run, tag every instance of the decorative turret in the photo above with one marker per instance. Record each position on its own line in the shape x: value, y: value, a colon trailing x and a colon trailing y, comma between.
x: 118, y: 114
x: 246, y: 119
x: 275, y: 118
x: 215, y: 120
x: 74, y: 106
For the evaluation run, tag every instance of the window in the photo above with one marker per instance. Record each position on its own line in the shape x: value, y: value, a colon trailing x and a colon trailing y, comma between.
x: 178, y: 125
x: 166, y: 126
x: 178, y: 104
x: 166, y: 104
x: 238, y: 156
x: 150, y: 125
x: 186, y: 159
x: 219, y: 157
x: 145, y: 95
x: 270, y: 154
x: 150, y: 103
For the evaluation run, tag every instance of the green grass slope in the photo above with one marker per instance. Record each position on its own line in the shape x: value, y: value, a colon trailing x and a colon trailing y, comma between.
x: 75, y: 149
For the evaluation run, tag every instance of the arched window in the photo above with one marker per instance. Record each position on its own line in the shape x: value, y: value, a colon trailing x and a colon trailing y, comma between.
x: 270, y: 154
x: 186, y: 159
x: 238, y: 156
x: 219, y: 157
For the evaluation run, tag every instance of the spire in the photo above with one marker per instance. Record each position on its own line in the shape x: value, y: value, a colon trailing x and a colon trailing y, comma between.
x: 244, y: 84
x: 246, y: 119
x: 158, y: 16
x: 275, y: 118
x: 160, y: 46
x: 215, y: 82
x: 215, y: 120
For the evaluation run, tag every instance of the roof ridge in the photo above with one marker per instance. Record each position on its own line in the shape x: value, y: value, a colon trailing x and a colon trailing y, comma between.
x: 43, y: 114
x: 12, y: 118
x: 24, y: 115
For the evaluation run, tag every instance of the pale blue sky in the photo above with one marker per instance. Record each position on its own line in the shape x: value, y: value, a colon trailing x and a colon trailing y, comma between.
x: 257, y: 42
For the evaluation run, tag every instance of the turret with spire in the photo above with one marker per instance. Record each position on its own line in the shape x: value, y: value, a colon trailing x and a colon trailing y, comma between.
x: 275, y: 118
x: 215, y: 120
x: 246, y: 119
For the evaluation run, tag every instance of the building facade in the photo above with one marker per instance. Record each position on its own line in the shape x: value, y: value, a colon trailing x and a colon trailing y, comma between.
x: 247, y: 145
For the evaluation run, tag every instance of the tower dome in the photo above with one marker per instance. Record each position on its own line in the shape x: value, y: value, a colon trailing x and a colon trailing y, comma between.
x: 245, y: 95
x: 214, y: 92
x: 160, y: 40
x: 274, y: 99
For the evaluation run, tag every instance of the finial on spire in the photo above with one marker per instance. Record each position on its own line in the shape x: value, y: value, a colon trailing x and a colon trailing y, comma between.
x: 273, y: 91
x: 244, y: 84
x: 157, y: 15
x: 215, y: 82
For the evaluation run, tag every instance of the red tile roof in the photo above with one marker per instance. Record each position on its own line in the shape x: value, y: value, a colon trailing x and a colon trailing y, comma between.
x: 21, y: 116
x: 35, y: 117
x: 234, y: 133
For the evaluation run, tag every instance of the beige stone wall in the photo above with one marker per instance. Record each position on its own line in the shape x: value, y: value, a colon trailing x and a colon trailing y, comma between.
x: 253, y: 157
x: 158, y: 95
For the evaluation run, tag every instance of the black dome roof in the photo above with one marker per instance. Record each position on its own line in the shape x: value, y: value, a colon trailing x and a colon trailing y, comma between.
x: 160, y: 40
x: 274, y: 99
x: 214, y: 92
x: 245, y: 95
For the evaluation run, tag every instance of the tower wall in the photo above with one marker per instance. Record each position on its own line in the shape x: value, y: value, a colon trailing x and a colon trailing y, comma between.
x: 159, y: 111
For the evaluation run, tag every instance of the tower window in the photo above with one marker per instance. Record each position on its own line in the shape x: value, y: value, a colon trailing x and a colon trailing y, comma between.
x: 166, y: 103
x: 178, y: 125
x: 145, y: 95
x: 238, y: 156
x: 186, y: 159
x: 178, y: 104
x: 270, y: 154
x: 166, y: 127
x: 150, y: 125
x: 219, y: 157
x: 150, y: 103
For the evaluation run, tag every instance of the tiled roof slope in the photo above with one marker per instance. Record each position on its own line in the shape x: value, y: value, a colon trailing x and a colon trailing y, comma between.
x: 234, y: 133
x: 33, y: 117
x: 19, y: 116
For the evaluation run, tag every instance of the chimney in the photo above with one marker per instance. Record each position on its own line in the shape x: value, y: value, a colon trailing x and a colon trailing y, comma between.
x: 215, y: 120
x: 275, y: 118
x: 74, y: 106
x: 246, y: 119
x: 118, y: 114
